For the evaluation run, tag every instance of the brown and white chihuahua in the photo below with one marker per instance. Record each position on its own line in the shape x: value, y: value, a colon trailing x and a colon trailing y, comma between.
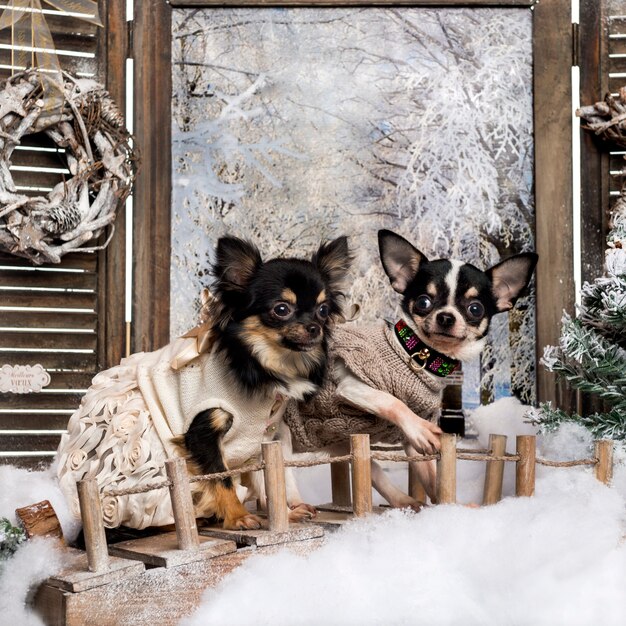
x: 447, y: 306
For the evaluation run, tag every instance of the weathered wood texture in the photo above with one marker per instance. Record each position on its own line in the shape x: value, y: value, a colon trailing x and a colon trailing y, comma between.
x: 321, y: 3
x: 494, y: 470
x: 275, y: 488
x: 604, y: 453
x: 361, y: 474
x: 552, y: 52
x: 157, y: 596
x: 93, y: 526
x: 525, y: 467
x: 340, y: 483
x: 594, y: 64
x: 182, y: 504
x: 39, y: 520
x: 82, y: 298
x: 446, y: 470
x: 151, y: 209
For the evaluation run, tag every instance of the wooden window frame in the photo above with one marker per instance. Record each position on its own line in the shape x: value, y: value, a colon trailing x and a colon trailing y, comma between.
x: 552, y: 62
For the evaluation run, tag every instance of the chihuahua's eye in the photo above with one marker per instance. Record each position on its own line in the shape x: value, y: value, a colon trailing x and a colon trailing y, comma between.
x: 323, y: 311
x: 475, y: 310
x: 282, y: 310
x: 423, y: 304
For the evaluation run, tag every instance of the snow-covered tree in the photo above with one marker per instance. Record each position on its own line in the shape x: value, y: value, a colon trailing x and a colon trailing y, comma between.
x: 292, y: 125
x: 591, y: 355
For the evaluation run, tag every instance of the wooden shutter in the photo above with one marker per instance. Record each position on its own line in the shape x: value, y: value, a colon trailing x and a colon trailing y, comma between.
x: 67, y: 317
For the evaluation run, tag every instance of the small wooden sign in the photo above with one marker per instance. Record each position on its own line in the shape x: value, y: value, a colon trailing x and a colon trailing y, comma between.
x: 23, y: 378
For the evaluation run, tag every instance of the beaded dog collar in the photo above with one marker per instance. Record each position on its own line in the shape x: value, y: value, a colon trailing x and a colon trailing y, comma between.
x: 421, y: 356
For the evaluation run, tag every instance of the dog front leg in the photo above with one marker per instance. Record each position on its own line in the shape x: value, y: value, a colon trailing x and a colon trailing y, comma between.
x: 426, y: 472
x: 421, y: 434
x: 203, y: 444
x: 298, y: 510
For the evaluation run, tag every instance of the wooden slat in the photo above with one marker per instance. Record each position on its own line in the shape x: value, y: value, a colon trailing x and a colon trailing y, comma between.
x: 594, y: 160
x: 152, y: 251
x: 32, y: 462
x: 69, y: 380
x: 50, y: 280
x: 112, y: 54
x: 35, y: 158
x: 31, y: 319
x: 47, y: 340
x: 552, y: 50
x: 85, y: 362
x: 64, y: 24
x: 33, y: 421
x: 36, y: 179
x: 26, y: 443
x: 70, y: 64
x: 48, y: 299
x: 79, y: 42
x: 296, y: 3
x: 75, y: 260
x: 40, y: 401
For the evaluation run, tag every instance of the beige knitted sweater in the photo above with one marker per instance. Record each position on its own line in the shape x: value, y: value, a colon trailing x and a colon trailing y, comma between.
x: 373, y: 354
x: 122, y: 432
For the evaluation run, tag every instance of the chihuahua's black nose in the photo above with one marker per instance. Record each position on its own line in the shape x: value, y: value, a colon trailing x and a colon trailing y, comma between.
x: 313, y: 330
x: 445, y: 320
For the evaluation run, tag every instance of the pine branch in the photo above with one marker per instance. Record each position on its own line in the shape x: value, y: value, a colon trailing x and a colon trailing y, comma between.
x: 610, y: 425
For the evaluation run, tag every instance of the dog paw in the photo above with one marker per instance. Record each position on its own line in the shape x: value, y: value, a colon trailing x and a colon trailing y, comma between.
x: 245, y: 522
x: 301, y: 512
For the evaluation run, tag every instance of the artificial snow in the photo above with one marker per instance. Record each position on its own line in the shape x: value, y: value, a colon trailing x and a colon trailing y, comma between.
x: 555, y: 558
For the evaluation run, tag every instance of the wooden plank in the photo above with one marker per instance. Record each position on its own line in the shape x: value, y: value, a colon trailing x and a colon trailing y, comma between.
x: 323, y: 3
x: 74, y: 65
x: 32, y: 462
x: 63, y: 41
x: 47, y: 319
x: 38, y: 158
x: 552, y: 53
x: 85, y: 362
x: 153, y: 89
x: 34, y: 421
x: 262, y: 538
x: 29, y: 443
x: 40, y: 401
x: 63, y: 23
x: 57, y: 341
x: 162, y: 550
x: 594, y: 171
x: 111, y: 53
x: 76, y: 260
x: 46, y: 280
x: 76, y: 577
x: 50, y: 299
x: 155, y: 597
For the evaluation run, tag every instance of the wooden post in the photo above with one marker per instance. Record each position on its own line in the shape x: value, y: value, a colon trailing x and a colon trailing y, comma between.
x: 525, y: 467
x: 340, y: 483
x: 604, y: 454
x: 93, y: 526
x: 274, y: 474
x: 446, y: 470
x: 182, y: 505
x: 361, y: 474
x: 494, y: 470
x: 416, y: 489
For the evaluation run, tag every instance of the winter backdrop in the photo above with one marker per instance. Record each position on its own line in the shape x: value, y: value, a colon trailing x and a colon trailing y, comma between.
x: 295, y: 125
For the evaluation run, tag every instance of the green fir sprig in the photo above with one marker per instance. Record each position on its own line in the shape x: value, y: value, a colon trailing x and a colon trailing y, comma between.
x: 10, y: 538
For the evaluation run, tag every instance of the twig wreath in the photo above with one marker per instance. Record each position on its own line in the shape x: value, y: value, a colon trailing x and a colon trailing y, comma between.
x: 607, y: 119
x: 89, y: 129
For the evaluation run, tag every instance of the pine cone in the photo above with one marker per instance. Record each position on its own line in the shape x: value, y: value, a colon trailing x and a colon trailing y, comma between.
x: 61, y: 218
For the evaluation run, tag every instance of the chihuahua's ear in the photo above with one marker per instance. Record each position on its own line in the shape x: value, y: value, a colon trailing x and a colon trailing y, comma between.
x: 236, y: 262
x: 333, y: 260
x: 400, y: 259
x: 510, y: 277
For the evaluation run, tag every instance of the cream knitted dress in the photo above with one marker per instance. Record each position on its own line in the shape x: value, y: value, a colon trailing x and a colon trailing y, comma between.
x: 375, y: 356
x: 121, y: 433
